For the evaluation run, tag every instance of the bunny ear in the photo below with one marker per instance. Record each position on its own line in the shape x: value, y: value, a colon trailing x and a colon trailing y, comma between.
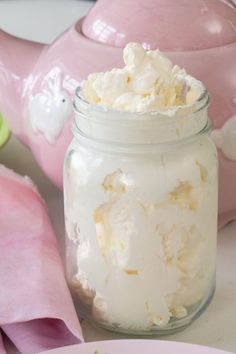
x: 51, y: 85
x: 57, y: 86
x: 217, y: 137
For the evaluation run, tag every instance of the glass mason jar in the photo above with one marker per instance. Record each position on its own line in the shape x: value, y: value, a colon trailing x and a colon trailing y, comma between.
x: 140, y: 193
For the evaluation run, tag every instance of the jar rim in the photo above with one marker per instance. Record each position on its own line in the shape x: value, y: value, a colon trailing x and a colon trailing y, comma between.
x: 121, y: 126
x: 201, y: 102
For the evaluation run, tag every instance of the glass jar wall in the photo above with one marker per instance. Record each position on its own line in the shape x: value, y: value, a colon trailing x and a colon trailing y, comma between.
x: 140, y: 196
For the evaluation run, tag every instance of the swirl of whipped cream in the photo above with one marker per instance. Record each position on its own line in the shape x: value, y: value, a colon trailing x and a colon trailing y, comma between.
x: 148, y: 82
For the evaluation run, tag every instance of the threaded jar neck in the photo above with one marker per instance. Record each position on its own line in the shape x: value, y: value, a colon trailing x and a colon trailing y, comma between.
x: 125, y: 127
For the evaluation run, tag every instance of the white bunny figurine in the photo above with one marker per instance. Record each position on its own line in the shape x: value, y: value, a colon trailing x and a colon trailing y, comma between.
x: 49, y: 109
x: 225, y: 138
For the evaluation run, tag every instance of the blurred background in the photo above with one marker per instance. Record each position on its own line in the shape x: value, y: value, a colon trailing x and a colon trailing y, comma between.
x: 50, y: 19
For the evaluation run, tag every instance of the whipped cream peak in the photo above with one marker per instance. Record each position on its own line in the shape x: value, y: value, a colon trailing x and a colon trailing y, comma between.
x: 148, y: 82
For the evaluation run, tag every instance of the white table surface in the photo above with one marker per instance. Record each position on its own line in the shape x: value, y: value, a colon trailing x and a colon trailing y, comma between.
x: 31, y: 19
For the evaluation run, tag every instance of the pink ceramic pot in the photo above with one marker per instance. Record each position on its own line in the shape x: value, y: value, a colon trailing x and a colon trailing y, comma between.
x: 37, y: 82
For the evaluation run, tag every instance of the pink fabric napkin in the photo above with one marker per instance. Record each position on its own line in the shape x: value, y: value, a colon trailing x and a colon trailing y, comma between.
x: 2, y: 349
x: 36, y: 309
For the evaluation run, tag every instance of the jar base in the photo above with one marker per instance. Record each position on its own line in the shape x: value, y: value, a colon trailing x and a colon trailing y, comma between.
x: 172, y: 328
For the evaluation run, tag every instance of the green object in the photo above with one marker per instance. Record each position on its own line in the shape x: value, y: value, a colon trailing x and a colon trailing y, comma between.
x: 5, y: 132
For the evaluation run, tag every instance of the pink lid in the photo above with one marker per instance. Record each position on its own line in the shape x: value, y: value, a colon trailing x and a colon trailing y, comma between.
x: 169, y: 25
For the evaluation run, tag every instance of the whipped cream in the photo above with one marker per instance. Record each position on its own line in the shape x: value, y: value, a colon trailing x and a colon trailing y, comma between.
x: 148, y: 82
x: 146, y: 235
x: 141, y: 215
